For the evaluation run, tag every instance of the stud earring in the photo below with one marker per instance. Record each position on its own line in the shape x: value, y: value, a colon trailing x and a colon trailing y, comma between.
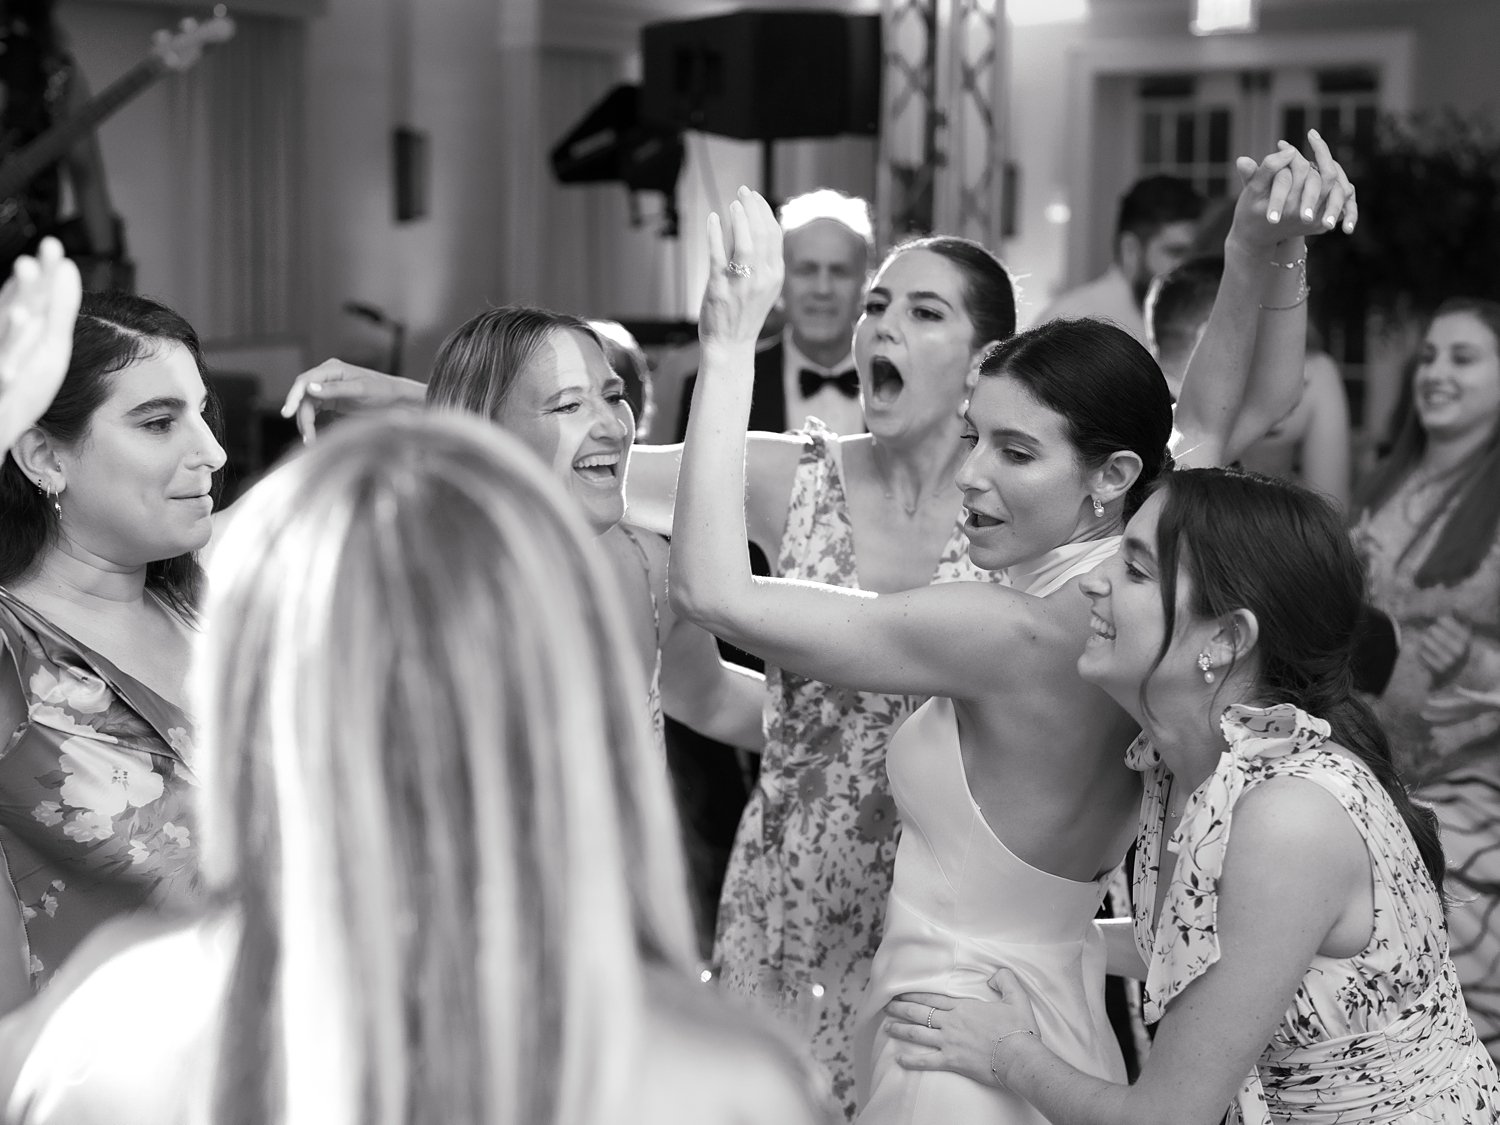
x: 1098, y: 508
x: 1206, y: 666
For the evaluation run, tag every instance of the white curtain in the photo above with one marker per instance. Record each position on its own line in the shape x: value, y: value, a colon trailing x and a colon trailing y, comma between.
x: 237, y: 124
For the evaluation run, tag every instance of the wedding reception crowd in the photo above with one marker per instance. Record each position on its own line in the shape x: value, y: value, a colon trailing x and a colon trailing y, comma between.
x: 1120, y: 752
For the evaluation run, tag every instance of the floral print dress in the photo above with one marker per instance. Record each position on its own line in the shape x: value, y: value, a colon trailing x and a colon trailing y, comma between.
x: 805, y: 893
x: 96, y: 792
x: 1377, y: 1038
x: 1445, y: 729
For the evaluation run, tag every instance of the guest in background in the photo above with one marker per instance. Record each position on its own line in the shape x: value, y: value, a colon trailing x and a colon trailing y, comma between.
x: 1428, y: 530
x: 104, y: 502
x: 436, y: 828
x: 1154, y: 228
x: 1312, y: 444
x: 808, y: 370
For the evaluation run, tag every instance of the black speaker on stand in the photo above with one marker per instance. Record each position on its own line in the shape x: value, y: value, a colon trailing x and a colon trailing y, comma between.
x: 765, y: 74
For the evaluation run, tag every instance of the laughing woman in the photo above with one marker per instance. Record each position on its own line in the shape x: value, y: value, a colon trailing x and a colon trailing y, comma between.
x: 1013, y: 799
x: 543, y: 376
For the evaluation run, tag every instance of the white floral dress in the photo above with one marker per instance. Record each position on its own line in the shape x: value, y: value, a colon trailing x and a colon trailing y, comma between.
x: 96, y: 792
x: 805, y: 893
x: 1377, y: 1038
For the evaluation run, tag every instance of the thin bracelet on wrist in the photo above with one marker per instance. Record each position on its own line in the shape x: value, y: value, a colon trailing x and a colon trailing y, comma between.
x: 1303, y: 290
x: 995, y: 1050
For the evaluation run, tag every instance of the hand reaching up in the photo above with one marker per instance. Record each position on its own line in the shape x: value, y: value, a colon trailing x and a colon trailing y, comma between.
x: 744, y: 272
x: 38, y: 306
x: 1287, y: 196
x: 343, y: 388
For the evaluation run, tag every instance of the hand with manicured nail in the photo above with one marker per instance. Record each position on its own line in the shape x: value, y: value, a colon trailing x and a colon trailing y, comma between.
x: 1287, y: 196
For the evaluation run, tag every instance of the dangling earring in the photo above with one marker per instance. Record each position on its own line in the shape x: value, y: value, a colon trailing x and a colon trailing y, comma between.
x: 1206, y: 666
x: 56, y: 502
x: 1098, y: 507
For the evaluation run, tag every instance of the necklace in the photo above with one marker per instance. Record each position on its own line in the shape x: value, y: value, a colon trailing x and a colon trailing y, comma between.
x: 911, y: 509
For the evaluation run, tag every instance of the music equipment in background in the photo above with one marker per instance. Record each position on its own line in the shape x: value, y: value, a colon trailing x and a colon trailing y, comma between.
x: 614, y: 142
x: 171, y: 52
x: 764, y: 74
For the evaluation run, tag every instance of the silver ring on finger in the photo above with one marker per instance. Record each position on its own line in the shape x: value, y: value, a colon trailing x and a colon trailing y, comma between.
x: 738, y: 269
x: 930, y: 1013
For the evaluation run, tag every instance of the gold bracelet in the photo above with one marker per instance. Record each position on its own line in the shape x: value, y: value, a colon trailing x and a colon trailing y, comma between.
x: 995, y: 1050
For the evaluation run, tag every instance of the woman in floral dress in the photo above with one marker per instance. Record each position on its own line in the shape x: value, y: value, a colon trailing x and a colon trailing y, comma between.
x: 1289, y: 917
x: 104, y: 502
x: 1429, y: 535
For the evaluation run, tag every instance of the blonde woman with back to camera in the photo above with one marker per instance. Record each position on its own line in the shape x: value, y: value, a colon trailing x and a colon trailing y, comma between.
x: 436, y: 824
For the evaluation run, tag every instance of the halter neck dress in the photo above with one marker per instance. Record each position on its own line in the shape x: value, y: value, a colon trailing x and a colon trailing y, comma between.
x: 962, y: 906
x: 804, y: 896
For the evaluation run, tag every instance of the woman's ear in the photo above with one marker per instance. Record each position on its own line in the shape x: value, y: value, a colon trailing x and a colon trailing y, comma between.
x: 1115, y: 477
x: 34, y: 454
x: 976, y: 357
x: 1235, y: 638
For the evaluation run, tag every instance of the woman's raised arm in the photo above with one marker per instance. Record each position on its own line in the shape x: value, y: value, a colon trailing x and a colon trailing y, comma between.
x: 1246, y: 373
x: 939, y: 640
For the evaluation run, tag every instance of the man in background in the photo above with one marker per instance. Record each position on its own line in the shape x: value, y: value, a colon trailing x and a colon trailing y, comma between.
x: 1153, y: 232
x: 808, y: 368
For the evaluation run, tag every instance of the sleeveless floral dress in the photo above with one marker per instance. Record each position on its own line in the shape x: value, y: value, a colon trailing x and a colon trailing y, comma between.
x: 804, y: 897
x: 1445, y: 729
x: 1377, y: 1038
x: 96, y: 792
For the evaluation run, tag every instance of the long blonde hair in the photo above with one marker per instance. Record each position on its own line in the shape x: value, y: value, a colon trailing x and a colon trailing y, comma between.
x: 432, y: 795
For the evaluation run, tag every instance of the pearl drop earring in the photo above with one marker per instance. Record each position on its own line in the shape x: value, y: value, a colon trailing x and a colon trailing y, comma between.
x: 1206, y: 666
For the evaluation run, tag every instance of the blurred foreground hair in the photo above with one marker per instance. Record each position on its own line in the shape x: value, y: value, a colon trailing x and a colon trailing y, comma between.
x: 432, y: 794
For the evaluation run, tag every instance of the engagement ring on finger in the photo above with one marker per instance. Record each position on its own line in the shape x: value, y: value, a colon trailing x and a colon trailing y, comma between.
x: 738, y: 269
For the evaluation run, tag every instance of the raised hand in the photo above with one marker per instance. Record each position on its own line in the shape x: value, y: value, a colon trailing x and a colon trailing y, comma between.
x: 38, y: 306
x: 343, y: 388
x: 744, y: 272
x: 1287, y: 196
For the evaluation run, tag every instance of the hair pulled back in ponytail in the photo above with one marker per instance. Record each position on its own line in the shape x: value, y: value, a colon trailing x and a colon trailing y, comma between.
x: 1110, y: 392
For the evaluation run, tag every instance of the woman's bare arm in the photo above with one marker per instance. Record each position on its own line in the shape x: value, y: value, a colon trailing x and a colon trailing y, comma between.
x: 1246, y: 373
x: 955, y: 639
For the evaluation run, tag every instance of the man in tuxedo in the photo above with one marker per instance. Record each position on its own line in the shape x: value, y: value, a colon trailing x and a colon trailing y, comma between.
x: 808, y: 368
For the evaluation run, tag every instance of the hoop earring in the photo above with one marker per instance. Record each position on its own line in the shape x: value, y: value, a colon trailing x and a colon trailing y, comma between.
x: 56, y: 501
x: 1098, y: 507
x: 1206, y: 666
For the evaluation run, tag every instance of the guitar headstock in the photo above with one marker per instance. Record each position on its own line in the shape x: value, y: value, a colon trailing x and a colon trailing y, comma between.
x: 180, y: 49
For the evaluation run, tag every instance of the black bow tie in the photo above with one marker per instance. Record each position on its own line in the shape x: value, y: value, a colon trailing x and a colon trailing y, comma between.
x: 811, y: 381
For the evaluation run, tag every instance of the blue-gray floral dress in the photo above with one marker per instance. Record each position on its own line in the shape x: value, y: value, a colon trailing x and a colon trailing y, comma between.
x: 96, y: 804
